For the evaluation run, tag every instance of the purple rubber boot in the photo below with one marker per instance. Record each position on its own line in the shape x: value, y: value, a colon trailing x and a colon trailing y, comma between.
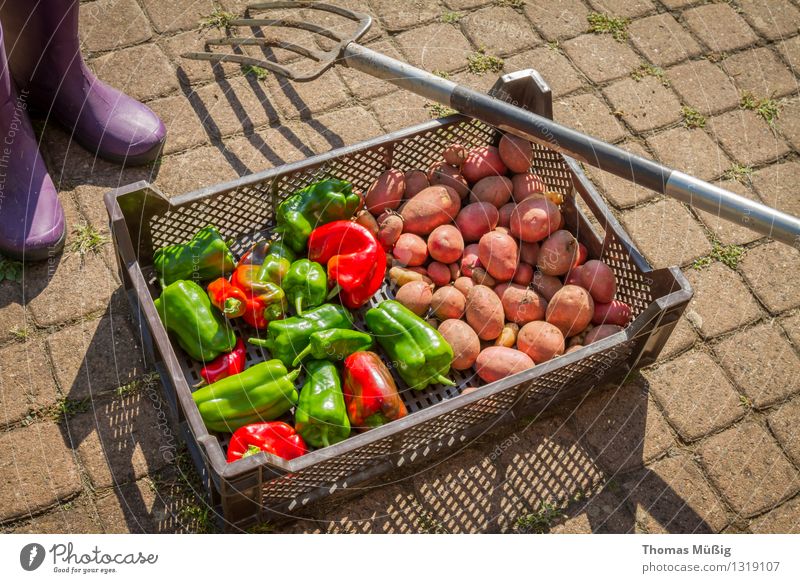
x: 31, y: 217
x: 46, y: 61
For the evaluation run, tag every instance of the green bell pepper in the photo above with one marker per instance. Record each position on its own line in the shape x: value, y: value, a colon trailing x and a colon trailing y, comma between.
x: 321, y: 415
x: 306, y: 285
x: 287, y: 338
x: 185, y: 310
x: 205, y: 257
x: 334, y: 344
x: 316, y: 204
x: 263, y: 392
x: 422, y: 355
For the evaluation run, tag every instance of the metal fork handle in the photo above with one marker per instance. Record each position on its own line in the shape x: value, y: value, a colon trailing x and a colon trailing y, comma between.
x: 521, y: 122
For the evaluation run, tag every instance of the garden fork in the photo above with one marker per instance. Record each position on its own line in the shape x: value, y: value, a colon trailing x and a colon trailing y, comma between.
x: 487, y: 108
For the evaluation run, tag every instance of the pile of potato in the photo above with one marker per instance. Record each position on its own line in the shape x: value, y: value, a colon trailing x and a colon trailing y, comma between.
x: 476, y: 243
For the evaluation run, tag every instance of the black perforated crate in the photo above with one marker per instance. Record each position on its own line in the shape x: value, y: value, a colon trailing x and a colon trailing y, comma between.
x: 265, y: 487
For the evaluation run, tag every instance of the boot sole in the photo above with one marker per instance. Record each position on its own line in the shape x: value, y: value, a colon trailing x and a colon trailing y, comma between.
x: 40, y: 254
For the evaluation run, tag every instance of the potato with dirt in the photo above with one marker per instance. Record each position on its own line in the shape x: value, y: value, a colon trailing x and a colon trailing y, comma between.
x: 464, y: 284
x: 439, y: 273
x: 529, y: 252
x: 416, y: 296
x: 386, y: 192
x: 455, y: 155
x: 524, y: 274
x: 390, y: 227
x: 448, y: 303
x: 570, y: 310
x: 599, y: 279
x: 367, y: 220
x: 485, y: 312
x: 504, y: 214
x: 446, y: 175
x: 482, y: 162
x: 416, y: 182
x: 546, y: 285
x: 445, y: 244
x: 498, y: 362
x: 541, y: 341
x: 534, y: 219
x: 557, y: 253
x: 613, y: 312
x: 492, y: 189
x: 470, y: 260
x: 516, y: 153
x: 477, y: 219
x: 434, y: 206
x: 499, y: 255
x: 599, y: 332
x: 526, y: 186
x: 521, y: 304
x: 462, y: 339
x: 410, y: 250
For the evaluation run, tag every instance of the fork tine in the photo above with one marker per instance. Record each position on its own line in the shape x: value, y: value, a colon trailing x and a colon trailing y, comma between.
x: 280, y: 22
x: 242, y: 60
x: 255, y: 41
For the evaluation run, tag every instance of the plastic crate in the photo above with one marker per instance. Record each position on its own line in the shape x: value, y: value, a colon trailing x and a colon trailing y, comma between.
x: 264, y: 487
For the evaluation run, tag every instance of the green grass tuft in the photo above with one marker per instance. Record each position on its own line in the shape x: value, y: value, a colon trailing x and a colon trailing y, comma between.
x: 692, y: 118
x: 739, y: 173
x: 539, y: 521
x: 436, y: 110
x: 87, y: 240
x: 479, y: 63
x: 768, y: 108
x: 516, y: 4
x: 604, y: 24
x: 20, y: 334
x: 259, y: 73
x: 442, y: 74
x: 646, y: 69
x: 728, y: 255
x: 218, y: 19
x: 451, y: 17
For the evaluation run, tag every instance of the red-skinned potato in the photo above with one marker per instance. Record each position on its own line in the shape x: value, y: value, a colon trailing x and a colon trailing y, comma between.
x: 529, y: 252
x: 367, y: 220
x: 614, y: 312
x: 416, y: 296
x: 390, y: 227
x: 462, y: 339
x: 416, y: 182
x: 521, y: 304
x: 504, y: 216
x: 516, y: 153
x: 524, y: 274
x: 546, y: 285
x: 599, y: 279
x: 446, y: 244
x: 541, y: 341
x: 526, y: 186
x: 434, y: 206
x: 573, y: 277
x: 534, y: 219
x: 386, y: 192
x: 477, y: 219
x: 410, y: 250
x: 470, y: 260
x: 600, y: 332
x: 570, y: 310
x: 573, y: 348
x: 583, y: 254
x: 481, y: 277
x: 455, y: 155
x: 464, y: 284
x: 439, y: 273
x: 485, y: 312
x: 482, y: 162
x: 498, y: 362
x: 557, y: 253
x: 448, y: 303
x: 455, y: 271
x: 498, y: 253
x: 446, y: 175
x: 493, y: 189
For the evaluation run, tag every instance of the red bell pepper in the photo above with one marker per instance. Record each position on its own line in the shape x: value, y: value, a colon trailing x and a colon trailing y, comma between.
x: 370, y: 392
x: 275, y: 437
x: 225, y: 365
x: 229, y: 299
x: 356, y: 261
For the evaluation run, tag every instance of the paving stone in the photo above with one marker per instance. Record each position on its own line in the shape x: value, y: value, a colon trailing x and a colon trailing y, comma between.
x: 762, y: 363
x: 790, y: 49
x: 747, y: 137
x: 37, y: 470
x: 726, y: 232
x: 108, y: 24
x: 481, y: 83
x: 791, y: 325
x: 603, y: 513
x: 365, y: 86
x: 684, y: 386
x: 73, y: 517
x: 557, y: 19
x: 589, y: 114
x: 342, y: 127
x: 666, y: 233
x: 674, y: 4
x: 645, y: 104
x: 123, y: 70
x: 719, y: 27
x: 748, y: 468
x: 775, y: 185
x: 717, y: 291
x: 306, y: 100
x: 267, y: 148
x: 540, y: 464
x: 627, y: 8
x: 177, y: 14
x: 138, y: 507
x: 622, y: 193
x: 690, y: 151
x: 123, y: 439
x: 600, y: 57
x: 782, y: 520
x: 662, y: 40
x: 789, y: 122
x: 672, y: 496
x: 436, y: 47
x: 399, y: 16
x: 194, y: 169
x: 96, y: 356
x: 622, y: 426
x: 500, y: 30
x: 463, y: 4
x: 771, y: 270
x: 338, y: 24
x: 399, y: 110
x: 703, y: 86
x: 184, y: 127
x: 12, y: 314
x: 783, y: 423
x: 556, y: 69
x: 773, y: 19
x: 760, y: 72
x: 26, y: 383
x: 683, y: 336
x: 189, y: 71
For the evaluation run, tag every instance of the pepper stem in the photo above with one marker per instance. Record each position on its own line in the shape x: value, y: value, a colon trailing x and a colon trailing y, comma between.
x: 441, y: 379
x: 293, y: 374
x: 231, y: 306
x: 298, y: 305
x: 265, y: 342
x: 251, y: 450
x: 335, y: 290
x: 301, y: 355
x: 324, y: 436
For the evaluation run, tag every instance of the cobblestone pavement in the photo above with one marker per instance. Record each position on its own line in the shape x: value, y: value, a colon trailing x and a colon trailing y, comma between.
x: 705, y: 440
